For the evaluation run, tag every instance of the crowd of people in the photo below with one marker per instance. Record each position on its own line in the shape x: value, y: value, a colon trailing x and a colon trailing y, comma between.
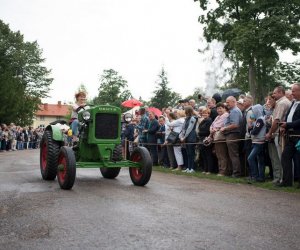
x: 13, y: 137
x: 234, y: 137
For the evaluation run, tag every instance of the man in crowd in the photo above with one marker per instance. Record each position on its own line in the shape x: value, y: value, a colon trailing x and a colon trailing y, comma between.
x: 247, y: 145
x: 211, y: 104
x: 192, y: 103
x: 291, y: 125
x: 275, y: 141
x: 144, y: 124
x: 232, y: 133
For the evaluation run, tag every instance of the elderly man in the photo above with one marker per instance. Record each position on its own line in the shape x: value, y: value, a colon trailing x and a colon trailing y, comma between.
x: 211, y: 104
x: 192, y: 103
x: 291, y: 126
x: 275, y: 141
x: 231, y: 130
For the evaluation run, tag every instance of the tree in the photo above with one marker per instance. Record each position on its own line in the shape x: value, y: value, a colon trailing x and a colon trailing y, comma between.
x: 113, y: 89
x: 287, y: 73
x: 253, y: 32
x: 163, y: 96
x: 24, y: 81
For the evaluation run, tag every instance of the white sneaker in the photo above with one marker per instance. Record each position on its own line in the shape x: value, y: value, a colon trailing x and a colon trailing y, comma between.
x: 192, y: 171
x: 186, y: 171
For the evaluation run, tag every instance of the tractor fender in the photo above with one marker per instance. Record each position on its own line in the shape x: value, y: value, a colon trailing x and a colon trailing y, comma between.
x: 56, y: 131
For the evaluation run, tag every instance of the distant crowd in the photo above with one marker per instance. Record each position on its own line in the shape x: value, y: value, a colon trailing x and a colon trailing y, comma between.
x: 13, y: 137
x: 232, y: 137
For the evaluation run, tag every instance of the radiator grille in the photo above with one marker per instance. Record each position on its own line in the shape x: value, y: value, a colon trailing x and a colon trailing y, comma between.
x: 107, y: 126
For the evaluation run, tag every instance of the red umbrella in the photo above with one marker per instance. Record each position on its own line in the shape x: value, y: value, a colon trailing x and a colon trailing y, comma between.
x: 131, y: 103
x: 156, y: 111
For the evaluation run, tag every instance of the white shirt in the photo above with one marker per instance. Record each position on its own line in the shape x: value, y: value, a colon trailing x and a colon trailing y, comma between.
x: 292, y: 111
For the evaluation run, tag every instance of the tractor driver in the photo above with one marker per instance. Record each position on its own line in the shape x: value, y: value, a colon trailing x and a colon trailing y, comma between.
x: 78, y: 105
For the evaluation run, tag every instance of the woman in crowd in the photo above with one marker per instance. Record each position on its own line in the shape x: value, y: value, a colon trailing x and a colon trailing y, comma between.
x: 189, y: 136
x: 170, y: 117
x: 220, y: 147
x: 206, y: 150
x: 175, y: 124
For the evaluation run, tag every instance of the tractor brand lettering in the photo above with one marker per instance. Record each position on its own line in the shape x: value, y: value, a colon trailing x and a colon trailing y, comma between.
x: 107, y: 109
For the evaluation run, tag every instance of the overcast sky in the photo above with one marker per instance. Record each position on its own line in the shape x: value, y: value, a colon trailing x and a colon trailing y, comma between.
x: 81, y: 38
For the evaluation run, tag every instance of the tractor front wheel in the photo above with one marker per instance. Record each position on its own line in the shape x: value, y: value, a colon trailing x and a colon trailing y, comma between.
x: 66, y: 170
x: 111, y: 173
x: 141, y: 175
x: 49, y: 150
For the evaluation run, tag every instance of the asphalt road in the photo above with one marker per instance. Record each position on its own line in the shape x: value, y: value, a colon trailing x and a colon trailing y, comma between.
x: 171, y: 212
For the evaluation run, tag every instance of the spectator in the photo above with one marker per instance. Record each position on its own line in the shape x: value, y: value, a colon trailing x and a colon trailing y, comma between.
x: 206, y: 150
x: 162, y: 148
x: 170, y: 117
x: 231, y: 131
x: 246, y: 145
x: 152, y: 137
x: 291, y: 126
x: 257, y: 130
x: 192, y: 103
x: 189, y: 136
x: 281, y: 107
x: 143, y: 125
x: 288, y: 95
x: 177, y: 126
x: 220, y: 147
x: 211, y: 104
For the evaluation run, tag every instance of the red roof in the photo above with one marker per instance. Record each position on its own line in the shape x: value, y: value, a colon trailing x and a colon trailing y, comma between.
x: 53, y: 109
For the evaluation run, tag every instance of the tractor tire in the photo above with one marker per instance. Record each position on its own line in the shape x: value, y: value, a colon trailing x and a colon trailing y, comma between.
x: 66, y: 171
x: 111, y: 173
x: 117, y: 153
x: 49, y: 150
x: 141, y: 175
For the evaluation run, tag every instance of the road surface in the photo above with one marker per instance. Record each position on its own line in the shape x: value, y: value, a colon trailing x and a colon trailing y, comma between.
x: 171, y: 212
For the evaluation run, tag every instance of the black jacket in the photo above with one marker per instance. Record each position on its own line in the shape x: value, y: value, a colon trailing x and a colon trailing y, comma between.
x: 295, y: 124
x: 204, y: 127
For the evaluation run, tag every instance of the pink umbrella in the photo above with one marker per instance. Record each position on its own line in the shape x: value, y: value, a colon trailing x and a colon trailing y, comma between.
x: 156, y: 111
x: 131, y: 103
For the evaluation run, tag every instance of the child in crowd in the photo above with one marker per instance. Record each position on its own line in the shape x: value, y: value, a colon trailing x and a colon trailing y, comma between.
x: 257, y: 130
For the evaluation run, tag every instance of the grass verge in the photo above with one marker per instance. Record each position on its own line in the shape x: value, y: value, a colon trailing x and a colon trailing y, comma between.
x: 243, y: 180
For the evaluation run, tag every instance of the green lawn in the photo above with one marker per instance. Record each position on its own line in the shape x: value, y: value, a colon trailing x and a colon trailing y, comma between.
x: 266, y: 185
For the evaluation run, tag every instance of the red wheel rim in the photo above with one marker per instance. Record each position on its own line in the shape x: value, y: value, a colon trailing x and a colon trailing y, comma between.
x: 137, y: 173
x: 44, y: 156
x: 61, y: 173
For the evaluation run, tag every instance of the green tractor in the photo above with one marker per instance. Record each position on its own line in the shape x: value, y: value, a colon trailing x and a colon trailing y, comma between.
x: 99, y: 146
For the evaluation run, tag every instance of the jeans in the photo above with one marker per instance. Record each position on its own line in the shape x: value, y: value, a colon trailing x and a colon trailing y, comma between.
x: 190, y: 149
x: 74, y: 126
x: 256, y: 161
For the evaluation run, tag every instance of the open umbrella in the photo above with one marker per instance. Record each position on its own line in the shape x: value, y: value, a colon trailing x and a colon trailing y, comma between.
x: 131, y: 103
x: 231, y: 92
x: 156, y: 111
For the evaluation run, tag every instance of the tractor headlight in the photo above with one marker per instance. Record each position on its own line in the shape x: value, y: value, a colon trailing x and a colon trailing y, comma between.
x: 128, y: 117
x: 86, y: 115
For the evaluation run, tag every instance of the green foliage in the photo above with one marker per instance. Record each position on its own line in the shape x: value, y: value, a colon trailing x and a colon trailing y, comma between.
x: 113, y: 89
x: 253, y: 33
x: 23, y: 78
x: 287, y: 73
x: 163, y: 96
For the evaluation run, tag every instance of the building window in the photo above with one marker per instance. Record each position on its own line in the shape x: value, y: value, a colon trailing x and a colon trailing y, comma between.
x: 58, y: 117
x: 42, y: 118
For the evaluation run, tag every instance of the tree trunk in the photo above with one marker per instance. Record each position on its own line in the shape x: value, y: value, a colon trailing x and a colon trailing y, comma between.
x: 252, y: 79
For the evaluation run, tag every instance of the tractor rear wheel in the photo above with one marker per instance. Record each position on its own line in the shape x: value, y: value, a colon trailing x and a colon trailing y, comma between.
x: 111, y: 173
x: 141, y: 175
x: 66, y: 170
x: 49, y: 150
